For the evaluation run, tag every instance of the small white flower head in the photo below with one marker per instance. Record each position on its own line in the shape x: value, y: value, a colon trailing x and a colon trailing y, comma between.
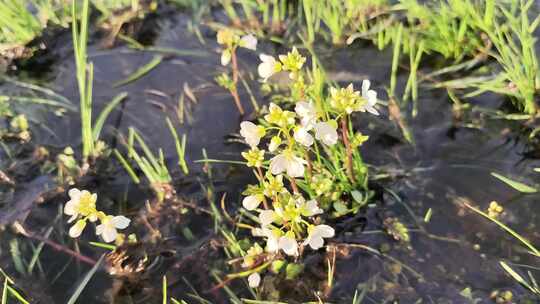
x: 249, y: 42
x: 309, y: 208
x: 76, y: 230
x: 226, y: 56
x: 266, y: 217
x: 317, y: 234
x: 307, y: 112
x: 287, y: 162
x: 302, y: 136
x: 272, y: 237
x: 109, y: 225
x: 81, y: 203
x: 254, y: 280
x: 326, y: 132
x: 275, y: 142
x: 289, y: 245
x: 370, y: 96
x: 268, y: 67
x: 251, y: 133
x: 251, y: 202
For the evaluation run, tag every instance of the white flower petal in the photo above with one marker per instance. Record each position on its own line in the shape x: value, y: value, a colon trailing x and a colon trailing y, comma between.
x: 295, y: 167
x: 326, y: 133
x: 69, y: 208
x: 302, y: 136
x: 109, y: 234
x: 278, y: 164
x: 313, y: 208
x: 288, y: 245
x: 254, y: 280
x: 316, y: 242
x: 266, y: 217
x: 74, y: 193
x: 250, y: 132
x: 76, y: 230
x: 272, y: 243
x: 324, y: 231
x: 249, y: 42
x: 120, y: 222
x: 365, y: 87
x: 225, y: 57
x: 251, y: 202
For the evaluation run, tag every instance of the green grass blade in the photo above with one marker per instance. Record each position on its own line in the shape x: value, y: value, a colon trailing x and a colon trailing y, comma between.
x: 523, y: 240
x: 105, y: 113
x: 523, y: 188
x: 145, y: 69
x: 82, y: 285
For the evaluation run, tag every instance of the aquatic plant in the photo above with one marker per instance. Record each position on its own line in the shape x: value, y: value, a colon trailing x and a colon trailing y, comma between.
x: 304, y: 152
x: 82, y: 208
x: 230, y: 41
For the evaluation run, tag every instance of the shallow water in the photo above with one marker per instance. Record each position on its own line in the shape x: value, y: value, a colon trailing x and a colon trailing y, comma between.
x: 448, y: 163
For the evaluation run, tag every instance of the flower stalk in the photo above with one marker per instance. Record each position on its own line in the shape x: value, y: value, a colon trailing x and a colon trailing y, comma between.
x: 346, y: 142
x: 234, y: 87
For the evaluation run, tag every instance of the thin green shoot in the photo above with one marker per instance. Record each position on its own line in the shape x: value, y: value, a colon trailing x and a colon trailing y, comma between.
x: 513, y: 233
x: 180, y: 147
x: 75, y: 296
x: 521, y: 187
x: 145, y: 69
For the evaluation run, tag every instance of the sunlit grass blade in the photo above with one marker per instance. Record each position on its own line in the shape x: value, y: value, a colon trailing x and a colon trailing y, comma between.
x: 75, y: 296
x: 98, y: 125
x: 521, y: 187
x: 516, y: 276
x: 523, y: 240
x: 145, y: 69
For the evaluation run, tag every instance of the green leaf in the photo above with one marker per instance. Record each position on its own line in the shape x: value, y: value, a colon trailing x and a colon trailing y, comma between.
x: 514, y: 184
x: 293, y: 270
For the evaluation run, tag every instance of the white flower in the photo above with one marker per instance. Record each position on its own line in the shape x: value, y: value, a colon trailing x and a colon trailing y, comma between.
x: 266, y: 217
x: 251, y: 133
x: 288, y: 245
x: 226, y: 57
x: 254, y: 280
x: 268, y: 67
x: 370, y: 96
x: 109, y: 225
x: 251, y: 202
x: 272, y: 239
x: 81, y: 203
x: 326, y: 133
x: 302, y: 136
x: 76, y: 230
x: 308, y: 113
x: 316, y: 235
x: 309, y: 208
x: 287, y: 162
x: 248, y: 42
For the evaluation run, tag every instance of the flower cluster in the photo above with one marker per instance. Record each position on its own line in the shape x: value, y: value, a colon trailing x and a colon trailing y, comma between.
x: 82, y: 207
x: 292, y: 62
x: 230, y: 40
x: 297, y: 155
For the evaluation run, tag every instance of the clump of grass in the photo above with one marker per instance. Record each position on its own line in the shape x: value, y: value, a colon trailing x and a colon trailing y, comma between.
x: 260, y: 16
x: 18, y: 26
